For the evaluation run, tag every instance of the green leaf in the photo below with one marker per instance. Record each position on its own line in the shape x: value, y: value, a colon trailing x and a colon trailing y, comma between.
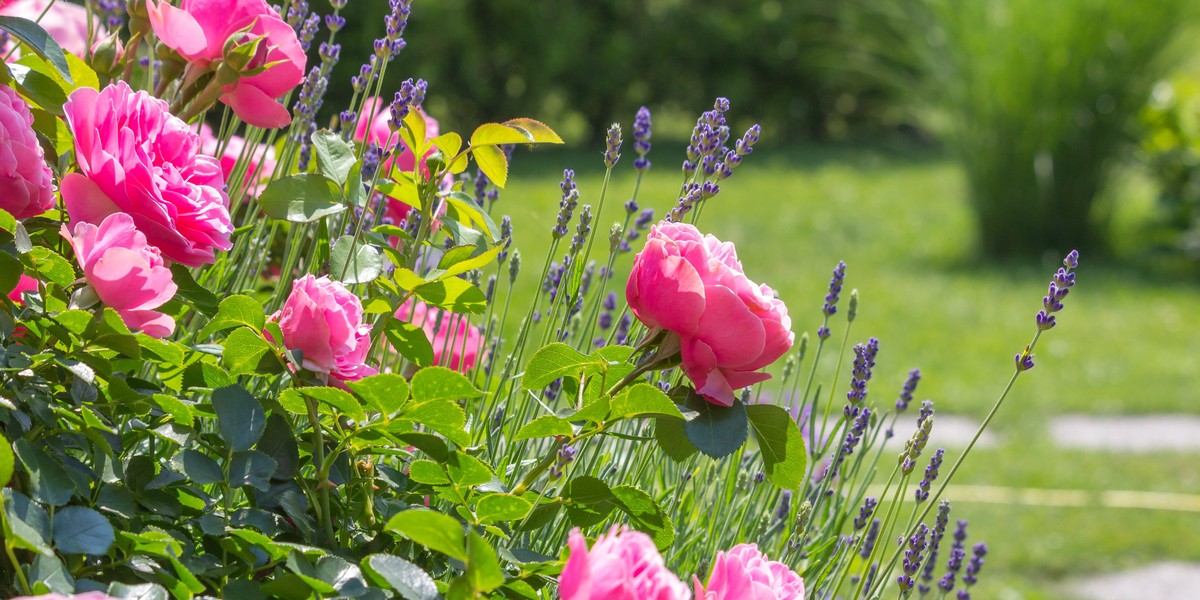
x: 427, y: 472
x: 81, y: 530
x: 438, y: 383
x: 107, y: 329
x: 781, y: 444
x: 717, y: 431
x: 198, y: 467
x: 240, y: 417
x: 11, y: 270
x: 410, y: 341
x: 462, y: 209
x: 140, y: 591
x: 385, y: 393
x: 340, y: 401
x: 403, y: 577
x: 6, y: 461
x: 588, y: 499
x: 643, y: 399
x: 492, y: 161
x: 246, y: 352
x: 496, y: 134
x: 279, y: 443
x: 193, y: 293
x: 433, y: 530
x: 164, y: 351
x: 51, y: 266
x: 355, y: 262
x: 180, y: 411
x: 467, y: 471
x: 556, y: 361
x: 302, y: 198
x: 252, y: 468
x: 502, y: 507
x: 335, y: 157
x: 46, y: 85
x: 538, y: 131
x: 443, y: 416
x: 345, y: 577
x: 50, y: 572
x: 469, y: 264
x: 235, y: 311
x: 49, y: 482
x: 32, y: 35
x: 27, y: 522
x: 645, y: 514
x: 483, y: 566
x: 453, y: 294
x: 544, y: 426
x: 672, y: 438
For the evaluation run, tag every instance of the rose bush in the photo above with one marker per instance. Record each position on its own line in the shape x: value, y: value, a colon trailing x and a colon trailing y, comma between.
x: 125, y: 272
x: 135, y: 157
x: 200, y: 30
x: 621, y: 565
x: 324, y: 321
x: 691, y: 285
x: 26, y: 184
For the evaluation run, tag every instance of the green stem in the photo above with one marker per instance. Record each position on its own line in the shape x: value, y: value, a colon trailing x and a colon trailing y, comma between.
x: 323, y: 517
x: 8, y: 549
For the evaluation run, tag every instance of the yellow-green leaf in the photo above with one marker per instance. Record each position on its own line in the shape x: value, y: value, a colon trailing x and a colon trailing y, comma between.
x: 494, y: 134
x: 493, y: 163
x: 537, y: 130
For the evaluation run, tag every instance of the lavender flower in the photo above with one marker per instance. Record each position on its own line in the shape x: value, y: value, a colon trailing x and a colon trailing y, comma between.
x: 869, y: 542
x: 641, y: 140
x: 612, y: 145
x: 931, y: 474
x: 1060, y: 285
x: 976, y: 564
x: 906, y: 393
x: 566, y: 206
x: 785, y: 505
x: 935, y: 540
x: 864, y: 361
x: 912, y: 559
x: 823, y: 333
x: 835, y: 289
x: 865, y: 512
x: 915, y: 445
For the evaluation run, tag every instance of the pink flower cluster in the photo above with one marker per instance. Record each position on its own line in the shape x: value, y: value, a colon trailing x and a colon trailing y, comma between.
x: 26, y: 184
x: 456, y: 344
x: 324, y: 321
x: 201, y: 30
x: 624, y: 565
x: 692, y: 286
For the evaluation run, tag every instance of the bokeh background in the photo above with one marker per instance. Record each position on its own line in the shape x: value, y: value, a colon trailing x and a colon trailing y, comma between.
x: 950, y: 152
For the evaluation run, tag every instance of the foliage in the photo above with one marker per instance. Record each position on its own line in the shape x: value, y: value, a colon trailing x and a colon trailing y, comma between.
x: 1171, y: 151
x: 1040, y: 100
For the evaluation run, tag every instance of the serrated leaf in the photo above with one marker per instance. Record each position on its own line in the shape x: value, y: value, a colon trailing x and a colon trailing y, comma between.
x: 403, y: 577
x: 195, y: 294
x: 50, y: 266
x: 502, y: 507
x: 537, y: 130
x: 240, y: 417
x: 235, y: 311
x: 672, y: 439
x: 483, y: 566
x: 555, y: 361
x: 198, y: 467
x: 466, y: 470
x: 588, y: 499
x: 780, y: 443
x: 495, y: 134
x: 492, y: 161
x: 302, y: 198
x: 449, y: 143
x: 252, y: 468
x: 427, y: 472
x: 27, y: 522
x: 385, y: 393
x: 433, y: 530
x: 81, y: 530
x: 48, y: 479
x: 340, y: 401
x: 279, y: 443
x: 443, y: 416
x: 246, y: 352
x: 453, y: 294
x: 438, y: 383
x: 181, y: 412
x: 641, y: 400
x: 354, y: 262
x: 544, y: 426
x: 107, y: 329
x: 645, y: 514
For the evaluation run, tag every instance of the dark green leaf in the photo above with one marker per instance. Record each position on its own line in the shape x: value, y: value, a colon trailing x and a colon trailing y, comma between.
x: 302, y: 198
x: 716, y: 431
x: 141, y: 591
x: 27, y: 522
x: 279, y: 443
x: 50, y: 572
x: 645, y: 514
x: 781, y: 444
x: 81, y: 530
x: 432, y: 530
x: 410, y: 341
x: 341, y: 402
x: 440, y: 383
x: 252, y: 468
x: 195, y: 294
x: 589, y: 500
x: 335, y: 157
x: 235, y: 311
x: 199, y: 467
x: 49, y: 482
x: 10, y: 271
x: 555, y: 361
x: 354, y: 262
x: 108, y: 330
x: 240, y: 417
x: 673, y: 439
x: 343, y: 576
x: 401, y: 576
x: 544, y: 426
x: 385, y: 393
x: 32, y: 35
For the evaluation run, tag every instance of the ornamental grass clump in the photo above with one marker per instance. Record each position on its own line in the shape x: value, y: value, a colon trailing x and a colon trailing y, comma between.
x: 281, y: 359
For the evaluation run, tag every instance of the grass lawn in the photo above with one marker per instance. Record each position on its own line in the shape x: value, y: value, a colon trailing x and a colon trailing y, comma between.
x: 900, y: 220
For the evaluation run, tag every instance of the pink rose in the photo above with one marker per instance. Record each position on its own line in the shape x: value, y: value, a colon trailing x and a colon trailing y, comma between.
x: 744, y: 573
x: 65, y: 22
x: 692, y: 286
x: 137, y: 158
x: 324, y: 321
x: 622, y: 565
x: 199, y: 29
x: 455, y: 343
x: 26, y: 184
x: 24, y: 284
x: 261, y: 158
x: 127, y: 274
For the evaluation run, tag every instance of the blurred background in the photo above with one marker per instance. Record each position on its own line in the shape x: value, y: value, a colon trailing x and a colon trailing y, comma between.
x: 951, y: 153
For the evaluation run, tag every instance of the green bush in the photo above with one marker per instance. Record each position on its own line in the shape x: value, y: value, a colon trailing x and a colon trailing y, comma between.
x: 1040, y: 98
x: 1171, y: 148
